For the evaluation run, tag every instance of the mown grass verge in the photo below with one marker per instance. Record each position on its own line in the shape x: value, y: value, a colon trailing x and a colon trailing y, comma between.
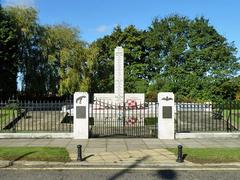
x: 210, y: 155
x: 34, y: 154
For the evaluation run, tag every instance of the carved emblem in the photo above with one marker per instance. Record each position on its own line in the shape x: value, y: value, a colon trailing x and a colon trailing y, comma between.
x: 167, y: 98
x: 79, y: 99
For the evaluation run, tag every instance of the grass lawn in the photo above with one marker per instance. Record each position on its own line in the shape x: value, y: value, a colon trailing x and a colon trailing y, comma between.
x: 210, y: 155
x: 34, y: 154
x: 150, y: 121
x: 6, y: 115
x: 235, y: 115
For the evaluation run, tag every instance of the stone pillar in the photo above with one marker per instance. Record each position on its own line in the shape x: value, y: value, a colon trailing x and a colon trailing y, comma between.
x: 119, y: 74
x: 80, y: 121
x: 166, y: 115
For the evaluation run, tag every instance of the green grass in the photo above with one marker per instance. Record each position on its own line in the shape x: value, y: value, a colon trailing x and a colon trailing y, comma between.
x: 7, y: 115
x: 150, y: 121
x: 210, y: 155
x: 235, y: 115
x: 34, y: 154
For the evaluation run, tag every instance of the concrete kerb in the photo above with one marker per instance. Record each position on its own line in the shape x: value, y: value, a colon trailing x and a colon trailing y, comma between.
x: 83, y: 164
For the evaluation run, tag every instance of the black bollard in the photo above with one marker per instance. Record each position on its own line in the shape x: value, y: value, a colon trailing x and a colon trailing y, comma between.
x: 180, y: 155
x: 79, y: 148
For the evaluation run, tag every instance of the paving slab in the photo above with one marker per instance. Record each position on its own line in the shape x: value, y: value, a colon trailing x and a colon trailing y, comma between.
x: 93, y: 146
x: 98, y: 140
x: 228, y: 145
x: 155, y: 156
x: 94, y: 150
x: 116, y: 140
x: 136, y: 147
x: 124, y: 151
x: 116, y: 144
x: 116, y: 149
x: 122, y: 155
x: 155, y: 146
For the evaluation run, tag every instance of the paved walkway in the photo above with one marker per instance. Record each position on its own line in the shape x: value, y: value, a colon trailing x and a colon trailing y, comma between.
x: 124, y: 151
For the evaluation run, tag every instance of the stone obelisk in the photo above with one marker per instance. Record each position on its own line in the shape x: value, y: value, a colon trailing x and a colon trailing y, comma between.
x: 119, y: 75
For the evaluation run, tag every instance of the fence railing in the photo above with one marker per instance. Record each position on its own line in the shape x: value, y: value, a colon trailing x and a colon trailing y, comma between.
x: 36, y: 116
x: 123, y: 120
x: 208, y: 117
x: 108, y: 119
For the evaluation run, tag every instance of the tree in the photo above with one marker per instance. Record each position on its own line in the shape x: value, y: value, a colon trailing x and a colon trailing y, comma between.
x: 67, y: 60
x: 189, y: 58
x: 132, y: 40
x: 52, y: 59
x: 31, y: 61
x: 9, y: 59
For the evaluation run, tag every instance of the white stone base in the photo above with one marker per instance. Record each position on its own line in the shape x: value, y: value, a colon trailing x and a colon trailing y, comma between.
x: 35, y: 135
x: 206, y: 135
x: 165, y: 130
x: 166, y: 122
x: 81, y: 120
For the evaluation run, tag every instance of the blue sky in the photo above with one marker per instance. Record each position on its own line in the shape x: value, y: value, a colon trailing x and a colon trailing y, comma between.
x: 96, y: 18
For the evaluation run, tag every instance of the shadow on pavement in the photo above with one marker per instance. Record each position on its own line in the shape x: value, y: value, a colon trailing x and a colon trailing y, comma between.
x: 184, y: 156
x: 128, y: 168
x: 85, y: 158
x: 17, y: 159
x: 167, y: 174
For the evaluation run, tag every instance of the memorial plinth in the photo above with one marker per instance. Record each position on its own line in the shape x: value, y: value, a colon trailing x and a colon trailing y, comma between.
x: 119, y: 75
x: 118, y: 99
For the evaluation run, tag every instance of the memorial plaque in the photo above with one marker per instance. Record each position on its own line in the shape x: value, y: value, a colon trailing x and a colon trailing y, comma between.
x: 167, y: 112
x: 81, y: 112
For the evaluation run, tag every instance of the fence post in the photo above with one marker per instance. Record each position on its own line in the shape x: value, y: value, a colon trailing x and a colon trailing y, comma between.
x: 166, y: 115
x: 80, y: 122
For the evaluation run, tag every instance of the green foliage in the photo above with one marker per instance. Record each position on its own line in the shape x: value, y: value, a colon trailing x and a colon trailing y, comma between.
x: 66, y: 59
x: 9, y: 60
x: 187, y: 57
x: 32, y: 63
x: 52, y: 59
x: 190, y: 59
x: 150, y: 121
x: 132, y: 40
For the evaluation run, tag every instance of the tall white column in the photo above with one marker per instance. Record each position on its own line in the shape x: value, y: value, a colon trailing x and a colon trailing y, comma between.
x: 119, y: 74
x: 166, y: 115
x: 80, y: 121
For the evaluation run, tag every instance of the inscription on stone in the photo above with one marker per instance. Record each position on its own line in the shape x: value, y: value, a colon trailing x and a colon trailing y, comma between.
x: 167, y: 112
x: 81, y: 112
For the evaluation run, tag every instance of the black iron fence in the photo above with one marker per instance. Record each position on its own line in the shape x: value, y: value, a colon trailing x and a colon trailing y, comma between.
x: 36, y: 116
x: 208, y: 117
x: 123, y: 120
x: 116, y: 120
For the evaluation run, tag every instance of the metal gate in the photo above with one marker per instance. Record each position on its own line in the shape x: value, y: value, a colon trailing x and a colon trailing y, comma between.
x: 123, y: 120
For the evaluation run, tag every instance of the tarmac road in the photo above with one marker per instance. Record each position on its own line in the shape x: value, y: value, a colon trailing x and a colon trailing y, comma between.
x: 111, y: 174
